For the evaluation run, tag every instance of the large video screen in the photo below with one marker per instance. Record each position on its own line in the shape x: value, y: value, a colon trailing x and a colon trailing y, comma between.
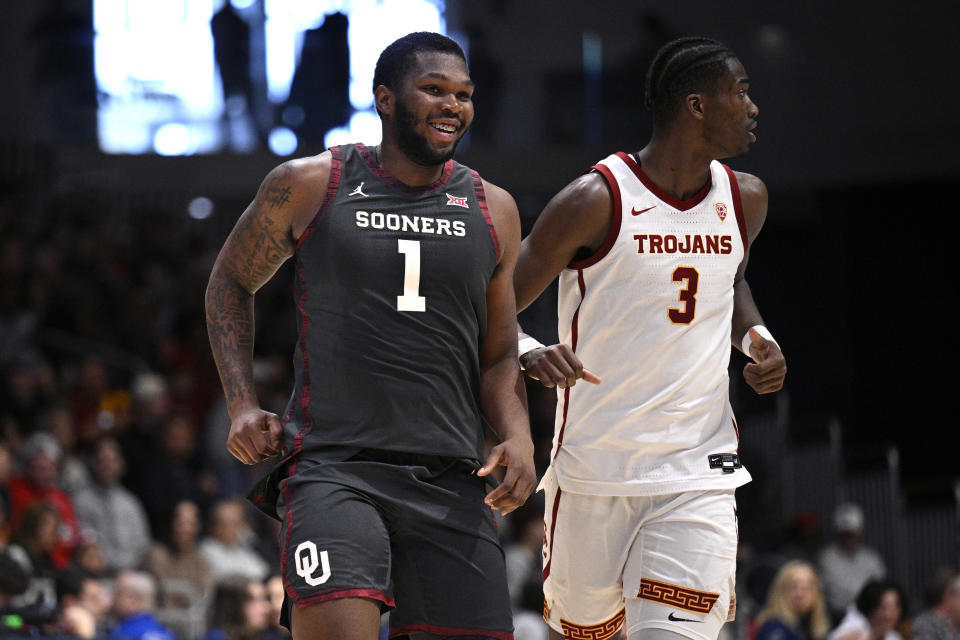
x: 184, y: 77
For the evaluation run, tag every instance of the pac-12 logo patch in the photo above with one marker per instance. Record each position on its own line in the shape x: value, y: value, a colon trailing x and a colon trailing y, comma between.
x: 308, y: 561
x: 721, y: 210
x: 457, y: 201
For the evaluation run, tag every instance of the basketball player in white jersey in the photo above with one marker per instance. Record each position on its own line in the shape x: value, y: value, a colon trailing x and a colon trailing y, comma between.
x: 651, y: 250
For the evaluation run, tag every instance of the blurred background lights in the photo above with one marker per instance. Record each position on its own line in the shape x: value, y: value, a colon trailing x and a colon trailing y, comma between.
x: 200, y: 208
x: 173, y: 139
x: 283, y: 141
x: 363, y: 126
x: 243, y: 72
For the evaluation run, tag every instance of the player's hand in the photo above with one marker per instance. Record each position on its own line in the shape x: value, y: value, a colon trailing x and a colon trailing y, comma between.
x: 516, y: 454
x: 556, y: 366
x: 766, y: 373
x: 255, y: 435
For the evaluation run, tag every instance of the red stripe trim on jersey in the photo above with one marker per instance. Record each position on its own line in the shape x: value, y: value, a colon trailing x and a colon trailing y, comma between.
x: 736, y: 429
x: 373, y: 594
x: 448, y: 632
x: 371, y: 162
x: 336, y: 169
x: 682, y: 205
x: 553, y: 528
x: 574, y: 334
x: 305, y: 373
x: 738, y: 207
x: 482, y: 201
x: 615, y: 222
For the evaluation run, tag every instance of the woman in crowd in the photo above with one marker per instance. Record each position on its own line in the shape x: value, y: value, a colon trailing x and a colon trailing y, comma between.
x: 178, y: 561
x: 874, y: 615
x: 795, y: 608
x: 32, y: 546
x: 240, y: 610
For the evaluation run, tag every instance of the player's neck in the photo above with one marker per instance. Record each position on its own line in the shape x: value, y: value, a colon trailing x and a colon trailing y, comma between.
x: 677, y: 167
x: 392, y: 160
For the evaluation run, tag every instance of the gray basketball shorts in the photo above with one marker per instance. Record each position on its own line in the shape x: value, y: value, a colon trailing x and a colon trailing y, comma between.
x: 409, y: 531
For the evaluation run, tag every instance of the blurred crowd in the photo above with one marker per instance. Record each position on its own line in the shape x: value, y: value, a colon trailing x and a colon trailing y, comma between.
x: 123, y: 516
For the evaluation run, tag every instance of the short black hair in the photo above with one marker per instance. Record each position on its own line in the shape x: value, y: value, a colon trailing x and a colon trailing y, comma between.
x: 871, y: 594
x: 681, y: 67
x: 399, y: 57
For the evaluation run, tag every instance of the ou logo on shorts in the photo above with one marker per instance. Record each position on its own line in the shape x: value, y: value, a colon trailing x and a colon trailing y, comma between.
x: 307, y: 561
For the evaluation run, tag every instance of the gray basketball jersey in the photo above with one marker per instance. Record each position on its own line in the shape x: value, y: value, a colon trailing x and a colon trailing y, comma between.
x: 390, y: 288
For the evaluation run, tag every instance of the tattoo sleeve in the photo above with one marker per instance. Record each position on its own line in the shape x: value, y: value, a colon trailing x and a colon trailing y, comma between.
x: 259, y: 243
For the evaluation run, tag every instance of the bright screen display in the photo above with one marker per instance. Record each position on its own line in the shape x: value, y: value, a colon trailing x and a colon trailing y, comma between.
x: 184, y: 77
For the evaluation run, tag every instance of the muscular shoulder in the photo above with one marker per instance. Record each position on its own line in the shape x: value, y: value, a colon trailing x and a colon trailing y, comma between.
x: 753, y: 197
x: 588, y: 192
x: 299, y: 187
x: 578, y: 216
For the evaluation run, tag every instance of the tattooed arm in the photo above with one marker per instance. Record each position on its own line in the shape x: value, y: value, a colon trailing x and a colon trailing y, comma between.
x: 263, y: 239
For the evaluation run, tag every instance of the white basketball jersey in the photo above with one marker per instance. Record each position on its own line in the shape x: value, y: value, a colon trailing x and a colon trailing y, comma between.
x: 650, y: 313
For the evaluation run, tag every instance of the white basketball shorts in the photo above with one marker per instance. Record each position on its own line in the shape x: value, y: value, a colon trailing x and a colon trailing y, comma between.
x: 649, y: 562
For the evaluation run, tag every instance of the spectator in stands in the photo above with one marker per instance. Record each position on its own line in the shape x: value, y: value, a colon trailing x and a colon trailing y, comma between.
x: 228, y: 547
x: 28, y: 385
x: 178, y: 557
x: 174, y: 472
x: 17, y: 620
x: 89, y: 557
x: 874, y: 615
x: 74, y: 474
x: 795, y: 607
x: 39, y: 484
x: 84, y: 602
x: 940, y: 620
x: 846, y: 564
x: 134, y: 606
x: 275, y: 594
x: 109, y: 513
x: 98, y: 407
x: 240, y: 610
x: 14, y: 579
x: 32, y: 545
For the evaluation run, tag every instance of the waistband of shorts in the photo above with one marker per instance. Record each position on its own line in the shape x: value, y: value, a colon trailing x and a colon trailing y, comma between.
x: 408, y: 458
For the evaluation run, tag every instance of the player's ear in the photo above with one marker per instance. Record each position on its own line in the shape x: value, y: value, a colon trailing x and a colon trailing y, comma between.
x: 694, y: 105
x: 383, y: 98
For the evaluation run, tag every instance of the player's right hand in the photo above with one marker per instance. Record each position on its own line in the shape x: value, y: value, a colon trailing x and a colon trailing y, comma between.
x: 255, y: 435
x: 556, y: 366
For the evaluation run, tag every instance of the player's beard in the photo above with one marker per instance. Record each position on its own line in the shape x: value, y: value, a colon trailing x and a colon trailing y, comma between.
x: 414, y: 146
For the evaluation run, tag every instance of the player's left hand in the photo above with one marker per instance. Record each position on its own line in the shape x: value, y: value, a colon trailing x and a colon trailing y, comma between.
x: 516, y: 454
x: 766, y: 373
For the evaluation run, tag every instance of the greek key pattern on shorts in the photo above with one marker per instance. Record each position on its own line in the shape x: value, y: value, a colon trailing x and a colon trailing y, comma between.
x: 546, y: 611
x: 676, y: 596
x: 600, y: 631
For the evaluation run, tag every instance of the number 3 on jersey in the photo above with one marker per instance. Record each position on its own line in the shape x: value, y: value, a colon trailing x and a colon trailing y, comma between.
x: 687, y: 295
x: 411, y: 300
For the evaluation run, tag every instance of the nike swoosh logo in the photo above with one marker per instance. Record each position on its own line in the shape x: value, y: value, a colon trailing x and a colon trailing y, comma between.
x: 636, y: 213
x: 674, y: 618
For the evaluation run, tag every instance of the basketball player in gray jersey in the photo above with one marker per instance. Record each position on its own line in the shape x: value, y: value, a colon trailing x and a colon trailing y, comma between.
x: 407, y: 350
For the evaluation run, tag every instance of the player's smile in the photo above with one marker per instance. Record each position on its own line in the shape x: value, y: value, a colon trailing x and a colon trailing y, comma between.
x: 444, y: 132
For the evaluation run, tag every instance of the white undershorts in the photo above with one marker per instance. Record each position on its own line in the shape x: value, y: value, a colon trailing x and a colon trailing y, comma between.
x: 650, y: 562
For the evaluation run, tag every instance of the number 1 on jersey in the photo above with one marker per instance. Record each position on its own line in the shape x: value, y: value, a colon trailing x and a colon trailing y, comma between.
x: 411, y: 300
